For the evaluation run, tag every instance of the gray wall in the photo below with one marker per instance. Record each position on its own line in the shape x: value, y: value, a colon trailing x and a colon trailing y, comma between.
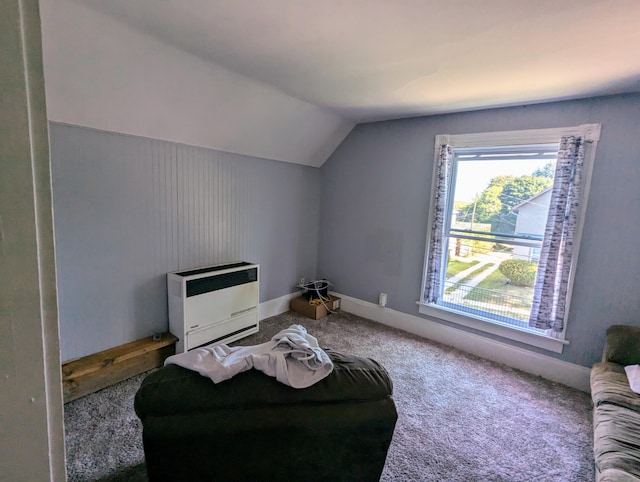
x: 375, y: 202
x: 129, y: 209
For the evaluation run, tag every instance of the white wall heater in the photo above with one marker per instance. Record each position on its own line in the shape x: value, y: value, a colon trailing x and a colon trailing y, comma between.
x: 213, y: 304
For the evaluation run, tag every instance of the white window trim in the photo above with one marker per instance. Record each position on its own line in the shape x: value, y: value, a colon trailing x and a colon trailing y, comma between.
x: 591, y: 134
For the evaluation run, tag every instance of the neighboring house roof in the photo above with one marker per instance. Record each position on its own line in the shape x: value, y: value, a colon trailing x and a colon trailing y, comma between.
x: 531, y: 199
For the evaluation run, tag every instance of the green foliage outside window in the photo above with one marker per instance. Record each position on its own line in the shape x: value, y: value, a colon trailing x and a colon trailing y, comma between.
x: 494, y: 205
x: 519, y: 271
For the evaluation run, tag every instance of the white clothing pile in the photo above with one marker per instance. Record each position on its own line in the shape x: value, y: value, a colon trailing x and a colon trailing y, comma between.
x: 292, y: 356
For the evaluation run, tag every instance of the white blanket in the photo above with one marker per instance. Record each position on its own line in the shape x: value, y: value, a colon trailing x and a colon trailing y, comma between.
x: 292, y: 356
x: 633, y: 374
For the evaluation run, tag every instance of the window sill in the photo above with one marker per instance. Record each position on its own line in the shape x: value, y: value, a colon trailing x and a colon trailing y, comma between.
x: 495, y: 328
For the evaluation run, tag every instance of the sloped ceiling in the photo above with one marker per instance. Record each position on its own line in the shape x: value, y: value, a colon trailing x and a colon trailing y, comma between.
x: 365, y: 60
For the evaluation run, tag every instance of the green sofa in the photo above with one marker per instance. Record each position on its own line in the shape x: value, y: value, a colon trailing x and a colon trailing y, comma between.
x: 254, y: 428
x: 616, y: 408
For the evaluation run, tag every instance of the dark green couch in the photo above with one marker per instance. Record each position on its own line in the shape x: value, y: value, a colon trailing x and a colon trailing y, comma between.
x: 253, y: 428
x: 616, y: 411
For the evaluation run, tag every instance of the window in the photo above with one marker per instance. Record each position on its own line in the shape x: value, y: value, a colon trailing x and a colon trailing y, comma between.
x: 496, y: 217
x: 500, y: 206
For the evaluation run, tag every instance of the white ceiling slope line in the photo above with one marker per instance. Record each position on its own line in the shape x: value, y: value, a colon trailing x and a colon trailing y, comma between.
x: 378, y: 59
x: 287, y: 79
x: 333, y: 140
x: 103, y: 74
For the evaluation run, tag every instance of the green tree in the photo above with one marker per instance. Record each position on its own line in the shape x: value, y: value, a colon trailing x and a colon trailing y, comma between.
x: 489, y: 204
x: 516, y: 191
x: 548, y: 170
x: 494, y: 205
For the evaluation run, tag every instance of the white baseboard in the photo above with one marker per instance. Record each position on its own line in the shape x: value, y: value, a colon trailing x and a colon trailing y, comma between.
x: 569, y: 374
x: 276, y: 306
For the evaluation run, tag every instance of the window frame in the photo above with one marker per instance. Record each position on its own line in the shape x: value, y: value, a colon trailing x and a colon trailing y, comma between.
x: 591, y: 134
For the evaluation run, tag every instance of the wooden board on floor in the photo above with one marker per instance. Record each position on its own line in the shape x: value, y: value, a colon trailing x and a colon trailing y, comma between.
x: 93, y: 372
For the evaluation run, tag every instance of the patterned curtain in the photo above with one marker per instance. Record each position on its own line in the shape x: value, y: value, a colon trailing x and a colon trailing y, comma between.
x: 436, y: 244
x: 552, y: 279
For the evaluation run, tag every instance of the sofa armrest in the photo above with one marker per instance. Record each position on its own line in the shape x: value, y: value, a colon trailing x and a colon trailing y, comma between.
x: 622, y: 345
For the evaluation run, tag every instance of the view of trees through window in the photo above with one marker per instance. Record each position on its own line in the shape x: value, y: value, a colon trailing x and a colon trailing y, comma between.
x: 494, y: 205
x: 496, y: 223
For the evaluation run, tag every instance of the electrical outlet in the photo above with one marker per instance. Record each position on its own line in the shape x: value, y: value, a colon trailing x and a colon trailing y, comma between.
x: 301, y: 282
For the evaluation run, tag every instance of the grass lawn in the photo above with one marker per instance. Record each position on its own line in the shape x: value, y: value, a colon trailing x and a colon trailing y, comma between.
x: 455, y: 266
x: 473, y: 274
x: 494, y: 290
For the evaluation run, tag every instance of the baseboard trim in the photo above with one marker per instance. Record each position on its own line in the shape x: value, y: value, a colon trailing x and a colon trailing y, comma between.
x: 569, y: 374
x: 276, y: 306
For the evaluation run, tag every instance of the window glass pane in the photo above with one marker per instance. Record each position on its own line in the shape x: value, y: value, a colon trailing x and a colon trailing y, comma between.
x: 502, y: 193
x: 475, y: 283
x: 486, y: 193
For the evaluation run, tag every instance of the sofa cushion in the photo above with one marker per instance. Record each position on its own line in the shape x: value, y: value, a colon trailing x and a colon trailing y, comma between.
x: 175, y: 390
x: 622, y: 345
x: 610, y: 385
x: 616, y: 443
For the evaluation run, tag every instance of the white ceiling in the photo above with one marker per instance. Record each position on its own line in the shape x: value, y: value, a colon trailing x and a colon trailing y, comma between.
x: 379, y: 59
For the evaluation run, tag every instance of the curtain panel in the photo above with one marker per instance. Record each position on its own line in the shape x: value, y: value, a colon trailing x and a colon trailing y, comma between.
x: 552, y: 280
x: 436, y: 242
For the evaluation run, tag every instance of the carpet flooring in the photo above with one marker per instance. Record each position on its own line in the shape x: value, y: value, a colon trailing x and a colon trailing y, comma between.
x: 460, y: 417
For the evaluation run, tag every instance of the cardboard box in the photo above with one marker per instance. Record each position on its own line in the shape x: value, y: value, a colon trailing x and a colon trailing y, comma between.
x: 315, y: 311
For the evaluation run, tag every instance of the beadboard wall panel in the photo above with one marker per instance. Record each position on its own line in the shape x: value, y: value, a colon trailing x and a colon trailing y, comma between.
x: 130, y: 209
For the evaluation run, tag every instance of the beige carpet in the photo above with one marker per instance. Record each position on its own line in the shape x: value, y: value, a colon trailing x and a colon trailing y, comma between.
x: 461, y: 418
